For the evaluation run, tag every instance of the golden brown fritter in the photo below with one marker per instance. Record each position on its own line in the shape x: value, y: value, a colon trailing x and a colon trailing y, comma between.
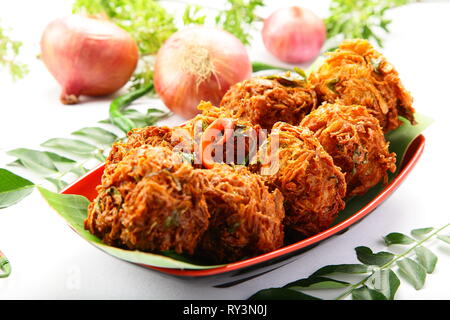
x: 266, y: 100
x: 172, y: 138
x: 313, y: 187
x: 357, y: 74
x: 238, y: 148
x: 355, y: 140
x: 246, y: 219
x: 151, y: 201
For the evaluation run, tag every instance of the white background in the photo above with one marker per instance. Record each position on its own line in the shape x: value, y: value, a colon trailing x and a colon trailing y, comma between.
x: 50, y: 261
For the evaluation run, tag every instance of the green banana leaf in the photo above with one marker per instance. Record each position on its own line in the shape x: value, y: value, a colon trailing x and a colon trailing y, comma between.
x: 73, y: 208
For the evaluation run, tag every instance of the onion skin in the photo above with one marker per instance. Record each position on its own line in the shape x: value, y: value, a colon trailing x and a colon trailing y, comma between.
x: 88, y: 56
x: 294, y: 35
x: 199, y: 64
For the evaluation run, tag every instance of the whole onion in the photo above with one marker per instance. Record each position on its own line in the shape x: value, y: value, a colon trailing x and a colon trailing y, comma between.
x: 88, y: 56
x: 294, y: 35
x: 199, y: 63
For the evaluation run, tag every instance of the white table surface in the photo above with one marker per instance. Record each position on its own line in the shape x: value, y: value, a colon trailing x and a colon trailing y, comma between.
x: 49, y: 261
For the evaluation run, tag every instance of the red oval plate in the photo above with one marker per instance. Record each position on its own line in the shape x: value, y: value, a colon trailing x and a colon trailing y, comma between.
x: 245, y: 269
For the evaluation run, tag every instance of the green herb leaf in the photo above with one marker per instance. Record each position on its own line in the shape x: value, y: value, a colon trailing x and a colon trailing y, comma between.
x: 5, y: 266
x: 426, y: 258
x: 366, y: 256
x: 238, y: 18
x: 79, y: 170
x: 341, y: 268
x: 97, y: 134
x: 301, y: 72
x: 386, y: 282
x: 444, y: 238
x: 351, y: 19
x: 71, y: 146
x: 281, y: 294
x: 191, y: 15
x: 9, y: 51
x: 364, y: 293
x: 38, y: 162
x: 61, y: 163
x: 261, y: 66
x: 13, y: 188
x: 118, y: 106
x: 58, y: 183
x: 317, y: 283
x: 413, y: 272
x: 397, y: 238
x: 421, y: 231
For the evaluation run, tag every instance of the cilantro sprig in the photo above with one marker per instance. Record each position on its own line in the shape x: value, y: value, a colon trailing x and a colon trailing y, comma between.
x: 365, y: 19
x: 9, y: 50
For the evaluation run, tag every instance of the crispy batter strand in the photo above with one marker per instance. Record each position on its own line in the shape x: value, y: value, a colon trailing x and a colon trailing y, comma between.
x: 312, y: 186
x: 264, y: 101
x: 357, y: 74
x: 355, y: 140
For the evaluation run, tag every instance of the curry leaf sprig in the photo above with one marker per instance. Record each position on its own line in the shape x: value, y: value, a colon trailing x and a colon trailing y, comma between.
x: 378, y: 272
x: 365, y: 19
x: 69, y: 158
x: 9, y: 50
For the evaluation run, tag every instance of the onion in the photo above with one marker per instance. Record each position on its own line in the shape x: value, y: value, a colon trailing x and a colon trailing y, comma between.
x: 88, y: 56
x: 199, y: 64
x: 294, y: 35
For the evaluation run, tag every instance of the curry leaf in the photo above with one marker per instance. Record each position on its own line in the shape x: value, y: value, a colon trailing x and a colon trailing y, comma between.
x: 426, y: 258
x: 364, y: 293
x: 317, y: 283
x: 366, y: 256
x: 444, y: 238
x: 413, y: 272
x: 58, y: 183
x: 71, y: 146
x: 397, y: 238
x: 41, y: 162
x: 13, y: 188
x: 341, y: 268
x: 36, y: 161
x: 96, y: 134
x: 386, y: 282
x: 421, y: 231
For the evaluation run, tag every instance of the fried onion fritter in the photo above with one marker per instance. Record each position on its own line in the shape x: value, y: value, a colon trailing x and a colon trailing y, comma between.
x: 266, y: 100
x: 173, y: 138
x: 151, y: 201
x: 313, y: 187
x: 246, y: 219
x: 240, y: 145
x: 357, y: 74
x: 355, y: 141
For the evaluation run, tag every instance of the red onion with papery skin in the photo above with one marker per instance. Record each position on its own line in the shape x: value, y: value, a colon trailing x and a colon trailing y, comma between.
x: 294, y: 35
x: 88, y: 56
x: 199, y: 64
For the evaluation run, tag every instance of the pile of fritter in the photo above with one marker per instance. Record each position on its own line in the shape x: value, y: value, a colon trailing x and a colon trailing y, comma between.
x: 280, y: 155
